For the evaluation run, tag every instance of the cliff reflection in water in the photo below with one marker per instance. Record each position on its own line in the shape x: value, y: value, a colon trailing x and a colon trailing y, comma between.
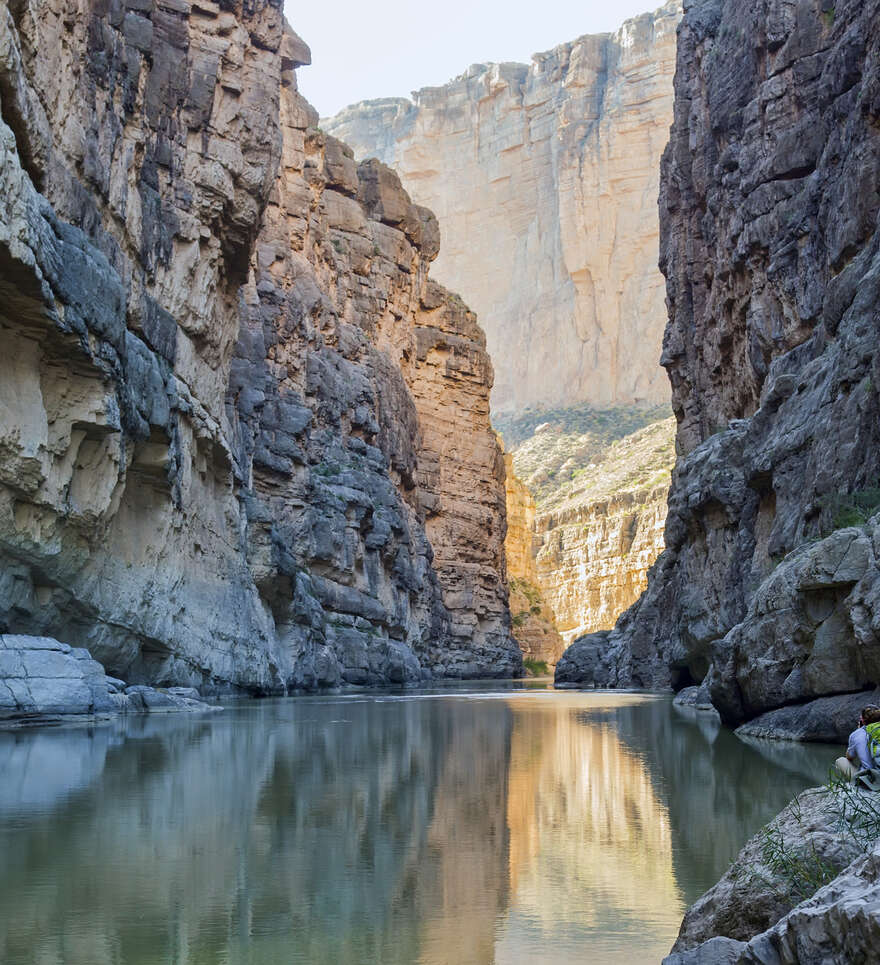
x: 452, y: 828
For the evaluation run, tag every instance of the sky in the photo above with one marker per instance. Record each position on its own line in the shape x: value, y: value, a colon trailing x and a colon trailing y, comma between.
x: 363, y: 49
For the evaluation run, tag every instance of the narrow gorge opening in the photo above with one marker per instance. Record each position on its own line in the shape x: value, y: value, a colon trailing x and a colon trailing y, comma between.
x: 566, y: 286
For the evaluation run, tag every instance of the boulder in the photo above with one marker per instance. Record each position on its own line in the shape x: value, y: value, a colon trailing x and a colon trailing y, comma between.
x: 807, y: 844
x: 828, y: 719
x: 42, y: 679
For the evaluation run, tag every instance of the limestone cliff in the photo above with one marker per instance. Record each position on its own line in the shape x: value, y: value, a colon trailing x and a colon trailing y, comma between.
x: 534, y: 622
x: 595, y: 527
x: 593, y: 558
x: 544, y: 179
x: 770, y: 584
x: 226, y: 379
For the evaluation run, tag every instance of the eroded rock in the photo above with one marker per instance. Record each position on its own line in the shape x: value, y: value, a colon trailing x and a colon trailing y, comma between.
x: 768, y: 586
x: 223, y: 364
x: 44, y: 680
x: 539, y: 176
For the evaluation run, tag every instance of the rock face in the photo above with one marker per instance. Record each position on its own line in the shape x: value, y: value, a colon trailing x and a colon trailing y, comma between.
x: 543, y: 178
x: 772, y: 907
x: 226, y: 378
x: 42, y: 679
x: 769, y: 585
x: 600, y: 480
x: 594, y: 558
x: 827, y: 719
x: 534, y: 622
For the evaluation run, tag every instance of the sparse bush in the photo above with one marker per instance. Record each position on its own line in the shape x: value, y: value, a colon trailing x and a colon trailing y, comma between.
x: 801, y: 869
x: 795, y: 870
x: 537, y: 668
x: 858, y: 810
x: 850, y: 509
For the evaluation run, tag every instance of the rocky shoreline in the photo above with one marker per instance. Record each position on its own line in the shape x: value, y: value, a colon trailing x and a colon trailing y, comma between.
x: 45, y: 681
x: 804, y: 889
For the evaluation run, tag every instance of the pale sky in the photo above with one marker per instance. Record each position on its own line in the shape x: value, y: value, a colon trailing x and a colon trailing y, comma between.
x: 363, y: 49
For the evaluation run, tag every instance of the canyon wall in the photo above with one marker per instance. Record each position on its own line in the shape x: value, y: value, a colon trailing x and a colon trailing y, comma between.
x: 596, y: 523
x: 593, y: 558
x: 769, y: 588
x: 544, y: 179
x: 534, y: 621
x: 226, y: 380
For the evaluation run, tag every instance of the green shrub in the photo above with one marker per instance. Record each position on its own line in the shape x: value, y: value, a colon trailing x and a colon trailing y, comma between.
x: 537, y: 668
x: 851, y: 509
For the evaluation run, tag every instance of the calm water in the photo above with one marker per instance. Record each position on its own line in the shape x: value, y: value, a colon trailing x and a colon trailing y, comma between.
x: 470, y: 826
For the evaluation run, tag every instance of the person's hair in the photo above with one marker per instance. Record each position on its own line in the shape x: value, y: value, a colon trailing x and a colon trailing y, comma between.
x: 871, y: 714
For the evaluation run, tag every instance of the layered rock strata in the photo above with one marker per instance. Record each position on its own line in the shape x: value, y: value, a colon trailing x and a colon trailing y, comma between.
x: 543, y: 177
x: 534, y: 621
x: 601, y: 480
x: 769, y: 586
x: 593, y: 558
x: 225, y: 373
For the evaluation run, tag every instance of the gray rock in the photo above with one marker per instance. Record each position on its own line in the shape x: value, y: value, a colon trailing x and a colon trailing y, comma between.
x: 769, y: 587
x: 778, y: 868
x: 43, y: 679
x: 696, y: 698
x: 716, y: 951
x: 169, y: 517
x: 839, y: 925
x: 190, y: 692
x: 828, y: 719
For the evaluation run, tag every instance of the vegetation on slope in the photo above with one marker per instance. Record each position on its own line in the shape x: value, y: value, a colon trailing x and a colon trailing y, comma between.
x: 583, y: 454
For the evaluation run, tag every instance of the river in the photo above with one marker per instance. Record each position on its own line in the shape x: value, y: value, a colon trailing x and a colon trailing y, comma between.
x: 499, y: 823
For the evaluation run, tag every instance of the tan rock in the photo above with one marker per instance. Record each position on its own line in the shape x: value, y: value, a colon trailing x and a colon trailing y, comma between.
x: 544, y: 179
x: 534, y: 621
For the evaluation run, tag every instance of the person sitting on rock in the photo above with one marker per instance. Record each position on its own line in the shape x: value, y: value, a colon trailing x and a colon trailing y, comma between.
x: 862, y: 761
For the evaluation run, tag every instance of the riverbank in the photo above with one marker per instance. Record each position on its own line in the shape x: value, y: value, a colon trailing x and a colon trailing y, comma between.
x: 44, y: 681
x: 804, y: 889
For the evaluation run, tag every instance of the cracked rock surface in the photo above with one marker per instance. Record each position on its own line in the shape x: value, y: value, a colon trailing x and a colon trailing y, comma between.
x: 769, y: 586
x: 42, y: 679
x: 244, y: 438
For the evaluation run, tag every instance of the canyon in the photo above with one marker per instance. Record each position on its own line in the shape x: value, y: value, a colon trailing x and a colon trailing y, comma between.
x: 544, y: 179
x: 767, y: 592
x: 228, y: 383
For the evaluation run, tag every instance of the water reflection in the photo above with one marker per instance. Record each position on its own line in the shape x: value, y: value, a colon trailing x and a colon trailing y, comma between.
x: 443, y: 828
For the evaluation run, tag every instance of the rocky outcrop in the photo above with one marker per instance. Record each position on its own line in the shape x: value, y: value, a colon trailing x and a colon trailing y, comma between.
x: 543, y: 177
x: 224, y: 371
x: 804, y: 889
x: 43, y: 680
x: 771, y: 872
x: 827, y: 719
x: 534, y: 622
x: 768, y: 586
